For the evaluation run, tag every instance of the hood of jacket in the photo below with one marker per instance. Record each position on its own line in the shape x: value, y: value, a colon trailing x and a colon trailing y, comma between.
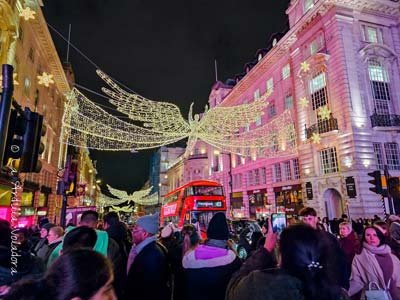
x: 204, y: 256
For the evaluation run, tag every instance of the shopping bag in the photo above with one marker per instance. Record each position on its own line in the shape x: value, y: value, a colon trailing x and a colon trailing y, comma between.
x: 377, y: 293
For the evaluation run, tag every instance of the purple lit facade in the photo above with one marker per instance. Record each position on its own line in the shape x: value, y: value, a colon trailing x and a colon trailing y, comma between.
x: 353, y: 50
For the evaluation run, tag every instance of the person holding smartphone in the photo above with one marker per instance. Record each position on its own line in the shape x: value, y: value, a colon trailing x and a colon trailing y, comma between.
x: 302, y: 273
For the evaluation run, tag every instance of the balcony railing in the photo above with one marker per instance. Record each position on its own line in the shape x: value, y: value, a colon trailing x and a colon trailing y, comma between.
x: 385, y: 120
x: 322, y: 127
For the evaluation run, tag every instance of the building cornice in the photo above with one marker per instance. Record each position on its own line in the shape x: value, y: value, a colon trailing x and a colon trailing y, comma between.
x: 45, y: 42
x: 283, y: 46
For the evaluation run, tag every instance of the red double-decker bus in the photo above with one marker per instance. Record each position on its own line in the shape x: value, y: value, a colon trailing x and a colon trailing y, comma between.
x: 194, y: 202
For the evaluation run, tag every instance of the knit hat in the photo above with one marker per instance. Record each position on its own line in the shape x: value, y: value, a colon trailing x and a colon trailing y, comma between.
x: 149, y: 223
x: 218, y: 227
x: 47, y: 226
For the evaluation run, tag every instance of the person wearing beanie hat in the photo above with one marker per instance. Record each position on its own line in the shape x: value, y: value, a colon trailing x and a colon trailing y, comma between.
x: 218, y: 227
x: 211, y: 263
x: 41, y: 249
x: 147, y: 266
x: 149, y: 223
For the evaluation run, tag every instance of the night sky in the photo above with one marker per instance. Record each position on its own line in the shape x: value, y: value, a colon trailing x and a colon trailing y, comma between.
x: 163, y: 50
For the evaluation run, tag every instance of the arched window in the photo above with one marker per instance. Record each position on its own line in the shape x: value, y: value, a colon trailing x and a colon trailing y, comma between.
x: 379, y: 80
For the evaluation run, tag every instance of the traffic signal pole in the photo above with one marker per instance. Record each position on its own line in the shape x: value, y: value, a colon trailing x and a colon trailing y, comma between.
x: 389, y: 196
x: 5, y: 106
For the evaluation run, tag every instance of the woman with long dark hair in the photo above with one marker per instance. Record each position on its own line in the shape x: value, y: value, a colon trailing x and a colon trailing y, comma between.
x: 79, y: 274
x: 375, y: 264
x: 303, y: 272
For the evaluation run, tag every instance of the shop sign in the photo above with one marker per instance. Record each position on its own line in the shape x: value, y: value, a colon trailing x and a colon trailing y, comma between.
x: 351, y: 187
x: 169, y: 209
x: 42, y: 212
x: 27, y: 211
x: 309, y: 191
x: 295, y: 187
x: 237, y: 195
x: 260, y: 191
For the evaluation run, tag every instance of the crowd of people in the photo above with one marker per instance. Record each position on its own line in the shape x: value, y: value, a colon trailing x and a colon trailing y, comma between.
x: 311, y: 259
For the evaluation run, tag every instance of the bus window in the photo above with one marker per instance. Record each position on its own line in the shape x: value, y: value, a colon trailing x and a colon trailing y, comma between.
x: 207, y: 191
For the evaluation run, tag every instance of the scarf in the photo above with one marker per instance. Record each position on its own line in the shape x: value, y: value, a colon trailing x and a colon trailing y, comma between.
x: 382, y: 256
x: 380, y: 250
x: 135, y: 250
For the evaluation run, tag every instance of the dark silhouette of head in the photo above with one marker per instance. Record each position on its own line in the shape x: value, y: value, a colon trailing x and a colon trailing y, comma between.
x: 79, y: 237
x: 302, y: 256
x: 80, y: 273
x: 89, y: 218
x: 111, y: 218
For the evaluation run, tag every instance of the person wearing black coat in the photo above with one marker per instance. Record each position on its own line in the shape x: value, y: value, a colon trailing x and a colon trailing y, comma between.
x: 148, y: 269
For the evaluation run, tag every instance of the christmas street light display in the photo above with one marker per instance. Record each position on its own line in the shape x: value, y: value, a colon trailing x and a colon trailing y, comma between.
x: 154, y: 124
x: 152, y: 199
x: 123, y: 195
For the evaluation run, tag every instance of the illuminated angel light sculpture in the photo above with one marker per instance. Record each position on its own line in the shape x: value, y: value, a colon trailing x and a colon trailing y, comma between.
x: 123, y: 195
x: 142, y: 197
x: 88, y: 125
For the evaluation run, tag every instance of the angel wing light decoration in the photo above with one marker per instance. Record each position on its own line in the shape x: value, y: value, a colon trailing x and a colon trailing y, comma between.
x: 227, y: 128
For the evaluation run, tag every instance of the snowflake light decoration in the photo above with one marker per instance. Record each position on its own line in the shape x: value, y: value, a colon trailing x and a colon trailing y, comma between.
x: 316, y: 138
x: 154, y: 124
x: 45, y: 79
x: 304, y: 66
x: 303, y: 102
x: 324, y: 112
x: 27, y: 13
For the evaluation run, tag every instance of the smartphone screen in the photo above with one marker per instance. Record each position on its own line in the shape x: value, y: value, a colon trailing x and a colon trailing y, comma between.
x: 278, y: 222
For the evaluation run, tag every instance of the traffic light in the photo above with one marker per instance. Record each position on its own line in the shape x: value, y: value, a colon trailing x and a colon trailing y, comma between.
x: 14, y: 140
x: 394, y: 187
x: 32, y: 145
x: 376, y: 182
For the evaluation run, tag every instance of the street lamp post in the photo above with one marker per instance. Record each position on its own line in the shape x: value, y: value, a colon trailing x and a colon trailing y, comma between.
x: 159, y: 194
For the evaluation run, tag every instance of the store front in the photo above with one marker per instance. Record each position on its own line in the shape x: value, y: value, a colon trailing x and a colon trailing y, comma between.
x: 258, y: 204
x: 42, y: 205
x: 5, y: 202
x: 74, y: 214
x: 27, y: 212
x: 288, y: 199
x: 237, y: 208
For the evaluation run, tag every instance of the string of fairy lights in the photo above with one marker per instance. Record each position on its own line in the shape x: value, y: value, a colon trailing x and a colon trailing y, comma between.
x: 161, y: 123
x: 142, y: 197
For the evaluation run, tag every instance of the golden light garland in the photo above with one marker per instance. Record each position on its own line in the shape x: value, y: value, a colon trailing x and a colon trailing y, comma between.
x: 88, y: 125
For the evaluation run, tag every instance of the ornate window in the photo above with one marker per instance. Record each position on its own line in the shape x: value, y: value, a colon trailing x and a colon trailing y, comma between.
x: 328, y: 160
x: 288, y: 170
x: 379, y: 81
x: 378, y: 155
x: 286, y: 71
x: 277, y: 173
x: 392, y: 156
x: 308, y: 4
